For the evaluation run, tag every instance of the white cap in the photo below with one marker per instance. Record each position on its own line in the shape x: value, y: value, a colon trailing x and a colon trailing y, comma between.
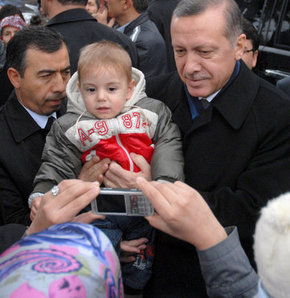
x: 272, y: 246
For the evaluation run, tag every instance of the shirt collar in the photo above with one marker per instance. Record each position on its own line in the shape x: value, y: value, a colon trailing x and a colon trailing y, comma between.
x: 193, y: 110
x: 41, y: 120
x: 262, y: 293
x: 122, y: 28
x: 211, y: 97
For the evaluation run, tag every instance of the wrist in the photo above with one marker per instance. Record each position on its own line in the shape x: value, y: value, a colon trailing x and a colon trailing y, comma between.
x: 33, y: 196
x: 212, y: 238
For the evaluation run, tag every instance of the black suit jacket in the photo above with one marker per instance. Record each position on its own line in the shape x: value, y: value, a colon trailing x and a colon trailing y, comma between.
x: 22, y: 142
x: 79, y: 29
x: 237, y: 155
x: 160, y: 12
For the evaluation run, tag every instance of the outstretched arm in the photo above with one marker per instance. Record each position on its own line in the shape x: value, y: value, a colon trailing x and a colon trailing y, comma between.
x: 183, y: 213
x: 73, y: 196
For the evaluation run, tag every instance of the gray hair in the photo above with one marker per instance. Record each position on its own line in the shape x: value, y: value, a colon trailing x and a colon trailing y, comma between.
x: 232, y: 14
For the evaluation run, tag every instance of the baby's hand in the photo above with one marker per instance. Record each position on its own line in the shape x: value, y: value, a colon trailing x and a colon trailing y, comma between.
x: 34, y: 207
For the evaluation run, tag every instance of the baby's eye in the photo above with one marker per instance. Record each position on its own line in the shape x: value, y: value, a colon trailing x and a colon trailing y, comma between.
x: 91, y: 89
x: 112, y: 89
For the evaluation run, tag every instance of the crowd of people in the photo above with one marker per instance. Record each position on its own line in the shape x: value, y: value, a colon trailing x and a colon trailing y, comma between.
x: 128, y: 94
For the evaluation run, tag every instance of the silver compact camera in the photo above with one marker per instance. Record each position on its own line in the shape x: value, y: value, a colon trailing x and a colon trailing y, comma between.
x: 117, y: 201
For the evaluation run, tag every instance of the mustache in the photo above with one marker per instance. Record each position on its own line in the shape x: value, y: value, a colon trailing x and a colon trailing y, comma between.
x: 197, y: 76
x: 57, y: 96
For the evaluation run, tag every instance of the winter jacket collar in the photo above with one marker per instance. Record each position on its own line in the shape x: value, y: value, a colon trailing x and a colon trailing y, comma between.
x: 237, y: 98
x: 142, y: 18
x: 71, y: 15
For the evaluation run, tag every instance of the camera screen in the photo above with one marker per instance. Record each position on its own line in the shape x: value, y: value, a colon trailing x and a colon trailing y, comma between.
x: 111, y: 203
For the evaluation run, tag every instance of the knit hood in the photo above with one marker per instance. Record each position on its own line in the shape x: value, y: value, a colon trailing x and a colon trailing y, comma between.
x: 272, y: 246
x: 76, y: 104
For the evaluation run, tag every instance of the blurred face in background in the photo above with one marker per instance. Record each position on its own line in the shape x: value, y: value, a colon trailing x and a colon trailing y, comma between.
x: 114, y: 8
x: 92, y: 7
x: 250, y: 56
x: 7, y: 33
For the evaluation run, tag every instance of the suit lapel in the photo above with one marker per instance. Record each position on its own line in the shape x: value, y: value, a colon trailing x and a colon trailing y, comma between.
x: 234, y: 104
x: 21, y: 124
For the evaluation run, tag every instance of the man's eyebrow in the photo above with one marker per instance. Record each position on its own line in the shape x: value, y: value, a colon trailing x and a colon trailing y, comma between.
x: 67, y: 68
x: 46, y: 71
x: 51, y: 71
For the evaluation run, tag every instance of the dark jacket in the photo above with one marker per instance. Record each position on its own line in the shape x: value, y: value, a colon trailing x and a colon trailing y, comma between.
x: 79, y: 29
x: 237, y: 154
x: 22, y: 142
x: 160, y: 12
x: 284, y: 84
x: 150, y: 45
x: 2, y: 53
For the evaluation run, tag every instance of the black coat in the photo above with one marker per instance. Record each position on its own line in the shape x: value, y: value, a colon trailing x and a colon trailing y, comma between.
x: 79, y: 29
x: 160, y: 12
x: 237, y: 155
x: 151, y: 48
x: 22, y: 142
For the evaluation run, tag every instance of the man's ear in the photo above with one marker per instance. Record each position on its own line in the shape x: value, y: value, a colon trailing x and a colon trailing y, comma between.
x: 240, y: 45
x: 14, y: 77
x: 127, y: 4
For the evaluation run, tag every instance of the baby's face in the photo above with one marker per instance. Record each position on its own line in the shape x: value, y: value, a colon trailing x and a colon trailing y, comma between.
x: 105, y: 91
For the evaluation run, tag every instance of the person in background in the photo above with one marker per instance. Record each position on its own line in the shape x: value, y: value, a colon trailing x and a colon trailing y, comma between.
x: 132, y: 19
x: 160, y: 12
x: 284, y: 85
x: 9, y: 26
x: 5, y: 85
x: 93, y: 6
x: 10, y: 10
x: 79, y: 28
x: 252, y: 42
x: 2, y: 54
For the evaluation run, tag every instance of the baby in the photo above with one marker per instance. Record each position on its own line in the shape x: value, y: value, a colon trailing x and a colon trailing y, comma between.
x: 109, y: 115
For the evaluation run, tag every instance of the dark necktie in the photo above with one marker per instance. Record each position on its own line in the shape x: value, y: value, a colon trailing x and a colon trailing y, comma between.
x: 48, y: 125
x: 200, y: 104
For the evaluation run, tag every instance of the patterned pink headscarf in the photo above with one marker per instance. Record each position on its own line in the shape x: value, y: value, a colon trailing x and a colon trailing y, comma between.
x: 12, y: 21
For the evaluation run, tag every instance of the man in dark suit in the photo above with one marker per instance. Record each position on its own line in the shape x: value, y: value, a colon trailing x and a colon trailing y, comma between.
x: 236, y: 134
x: 79, y: 28
x: 39, y: 69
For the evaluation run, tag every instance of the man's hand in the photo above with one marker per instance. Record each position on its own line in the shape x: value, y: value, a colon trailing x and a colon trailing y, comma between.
x: 130, y: 248
x: 73, y: 196
x: 117, y: 177
x: 182, y: 213
x: 102, y: 15
x: 34, y: 207
x: 94, y: 169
